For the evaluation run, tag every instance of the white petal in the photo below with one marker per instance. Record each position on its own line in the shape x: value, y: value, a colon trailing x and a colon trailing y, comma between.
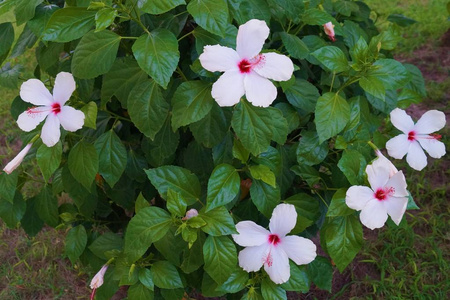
x: 302, y: 251
x: 218, y: 58
x: 357, y: 197
x: 229, y: 88
x: 401, y: 120
x: 398, y: 146
x: 50, y: 131
x: 64, y: 87
x: 251, y: 37
x: 251, y: 259
x: 431, y: 121
x: 435, y: 148
x: 29, y: 119
x: 374, y: 215
x: 35, y: 92
x: 396, y: 207
x: 279, y: 270
x: 275, y: 66
x: 383, y: 160
x: 416, y: 158
x: 250, y: 234
x: 283, y: 219
x: 259, y: 90
x: 398, y: 182
x: 377, y: 175
x: 70, y: 118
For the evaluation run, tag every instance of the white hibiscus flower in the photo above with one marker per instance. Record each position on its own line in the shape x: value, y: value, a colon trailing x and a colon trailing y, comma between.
x: 247, y: 71
x: 51, y: 108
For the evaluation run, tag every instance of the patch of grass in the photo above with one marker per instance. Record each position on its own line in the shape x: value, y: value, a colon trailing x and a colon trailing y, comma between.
x: 431, y: 17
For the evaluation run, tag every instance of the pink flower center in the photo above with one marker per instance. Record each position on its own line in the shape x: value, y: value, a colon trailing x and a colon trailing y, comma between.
x: 247, y: 65
x: 435, y: 136
x: 383, y: 194
x: 411, y: 136
x: 274, y: 239
x: 56, y: 108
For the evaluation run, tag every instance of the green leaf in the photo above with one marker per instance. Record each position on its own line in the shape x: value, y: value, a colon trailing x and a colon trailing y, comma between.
x: 178, y: 179
x: 8, y: 183
x: 337, y: 206
x: 83, y: 163
x: 270, y: 290
x: 90, y: 111
x: 211, y: 130
x: 139, y: 292
x: 333, y: 58
x: 373, y: 86
x: 147, y: 108
x: 294, y: 46
x: 26, y: 40
x: 68, y: 24
x: 148, y: 226
x: 140, y: 203
x: 307, y: 209
x: 310, y: 150
x: 302, y: 94
x: 307, y: 173
x: 105, y: 243
x: 212, y: 15
x: 353, y: 165
x: 157, y: 7
x: 299, y: 280
x: 332, y: 114
x: 165, y: 275
x: 220, y: 258
x: 104, y: 17
x: 7, y: 38
x: 9, y: 76
x: 401, y: 20
x: 191, y: 102
x: 263, y: 173
x: 251, y: 125
x: 321, y: 273
x: 411, y: 203
x: 235, y: 283
x: 76, y: 241
x: 47, y: 206
x: 30, y: 221
x: 223, y: 186
x: 12, y: 212
x: 344, y: 238
x: 120, y: 81
x: 193, y: 256
x: 218, y: 222
x: 315, y: 16
x: 265, y: 197
x: 112, y: 157
x: 278, y: 126
x: 146, y: 278
x: 95, y: 54
x: 157, y: 54
x: 25, y: 10
x: 175, y: 204
x: 345, y: 7
x: 391, y: 72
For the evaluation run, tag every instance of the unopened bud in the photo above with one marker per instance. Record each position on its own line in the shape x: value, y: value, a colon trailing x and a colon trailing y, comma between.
x: 329, y: 30
x: 190, y: 214
x: 13, y: 164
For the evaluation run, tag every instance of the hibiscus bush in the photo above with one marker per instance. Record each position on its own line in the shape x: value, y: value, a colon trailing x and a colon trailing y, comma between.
x: 213, y: 147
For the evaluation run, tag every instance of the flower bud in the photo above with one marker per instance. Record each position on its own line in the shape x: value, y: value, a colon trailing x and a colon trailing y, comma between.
x: 190, y: 214
x: 97, y: 281
x: 13, y: 164
x: 329, y: 30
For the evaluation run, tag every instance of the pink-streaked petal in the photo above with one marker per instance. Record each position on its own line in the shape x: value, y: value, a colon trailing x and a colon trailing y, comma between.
x: 229, y: 88
x: 34, y: 91
x: 278, y: 270
x: 377, y: 175
x: 250, y: 234
x: 259, y: 91
x: 64, y: 87
x: 431, y: 121
x: 218, y: 58
x: 401, y: 120
x: 283, y: 219
x: 302, y: 251
x: 29, y: 119
x: 398, y: 183
x: 50, y: 131
x: 357, y: 196
x: 416, y: 158
x: 70, y: 118
x: 374, y: 215
x: 275, y: 66
x: 251, y: 259
x: 396, y: 207
x: 435, y: 148
x: 398, y: 146
x: 251, y: 37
